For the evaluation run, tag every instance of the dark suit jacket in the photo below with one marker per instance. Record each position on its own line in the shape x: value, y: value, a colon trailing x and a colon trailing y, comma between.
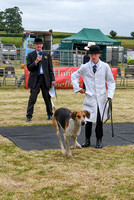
x: 34, y: 69
x: 86, y: 58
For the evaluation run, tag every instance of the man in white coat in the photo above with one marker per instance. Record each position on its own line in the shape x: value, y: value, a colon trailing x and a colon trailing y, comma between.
x: 96, y: 75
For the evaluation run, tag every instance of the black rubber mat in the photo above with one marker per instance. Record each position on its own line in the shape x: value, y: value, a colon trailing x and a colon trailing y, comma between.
x: 44, y: 137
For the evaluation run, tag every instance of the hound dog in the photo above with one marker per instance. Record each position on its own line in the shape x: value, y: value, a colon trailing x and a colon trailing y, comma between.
x: 71, y: 123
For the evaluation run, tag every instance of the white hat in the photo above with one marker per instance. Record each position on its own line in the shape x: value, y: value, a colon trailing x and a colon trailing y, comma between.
x: 89, y: 44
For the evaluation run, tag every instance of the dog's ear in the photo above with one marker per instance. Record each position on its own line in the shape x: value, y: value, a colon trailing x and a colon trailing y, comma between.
x: 73, y: 115
x: 87, y: 113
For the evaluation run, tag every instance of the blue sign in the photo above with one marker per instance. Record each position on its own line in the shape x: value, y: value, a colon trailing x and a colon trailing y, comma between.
x: 29, y: 46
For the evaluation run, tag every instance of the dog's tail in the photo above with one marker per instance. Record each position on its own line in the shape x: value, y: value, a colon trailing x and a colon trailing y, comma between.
x: 53, y: 106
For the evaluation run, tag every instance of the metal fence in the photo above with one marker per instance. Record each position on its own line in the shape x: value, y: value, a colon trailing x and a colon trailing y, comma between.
x: 12, y: 70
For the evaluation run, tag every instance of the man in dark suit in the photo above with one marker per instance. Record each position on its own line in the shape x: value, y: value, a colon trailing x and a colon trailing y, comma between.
x: 86, y: 57
x: 41, y: 76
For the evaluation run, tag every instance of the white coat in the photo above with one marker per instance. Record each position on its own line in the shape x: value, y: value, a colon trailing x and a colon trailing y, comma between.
x: 96, y: 93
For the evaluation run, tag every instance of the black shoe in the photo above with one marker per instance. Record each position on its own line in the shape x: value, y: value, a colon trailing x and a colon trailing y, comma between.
x: 99, y: 143
x: 29, y: 119
x: 87, y: 143
x: 50, y: 117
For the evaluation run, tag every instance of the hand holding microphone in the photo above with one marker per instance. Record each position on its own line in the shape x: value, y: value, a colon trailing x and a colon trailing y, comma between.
x: 39, y: 58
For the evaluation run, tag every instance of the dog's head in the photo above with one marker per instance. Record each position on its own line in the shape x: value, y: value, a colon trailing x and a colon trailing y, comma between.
x: 79, y: 116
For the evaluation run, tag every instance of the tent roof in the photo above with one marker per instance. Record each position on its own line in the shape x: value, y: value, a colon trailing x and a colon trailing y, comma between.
x: 94, y: 35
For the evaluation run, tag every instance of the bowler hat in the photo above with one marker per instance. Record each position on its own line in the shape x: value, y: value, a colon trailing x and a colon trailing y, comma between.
x: 94, y: 49
x: 38, y: 41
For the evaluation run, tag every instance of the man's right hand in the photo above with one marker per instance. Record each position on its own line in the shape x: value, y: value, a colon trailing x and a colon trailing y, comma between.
x: 38, y: 59
x: 82, y: 91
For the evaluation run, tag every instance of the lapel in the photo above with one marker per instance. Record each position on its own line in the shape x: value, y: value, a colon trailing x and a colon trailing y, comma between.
x: 43, y: 56
x: 35, y: 54
x: 91, y: 68
x: 44, y: 59
x: 99, y: 66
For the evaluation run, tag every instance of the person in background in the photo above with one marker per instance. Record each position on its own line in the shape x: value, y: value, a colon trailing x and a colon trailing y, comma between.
x: 96, y: 74
x: 41, y: 77
x: 86, y: 57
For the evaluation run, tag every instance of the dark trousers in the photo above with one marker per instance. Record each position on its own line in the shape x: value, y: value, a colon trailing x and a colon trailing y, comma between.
x: 98, y: 129
x: 33, y: 97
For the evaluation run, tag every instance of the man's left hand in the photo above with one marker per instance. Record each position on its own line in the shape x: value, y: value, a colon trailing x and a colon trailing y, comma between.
x: 53, y: 83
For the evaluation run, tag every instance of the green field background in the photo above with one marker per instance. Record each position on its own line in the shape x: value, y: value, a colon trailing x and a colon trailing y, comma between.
x: 16, y: 39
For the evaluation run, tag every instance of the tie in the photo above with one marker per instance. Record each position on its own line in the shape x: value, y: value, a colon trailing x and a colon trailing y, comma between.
x: 94, y: 68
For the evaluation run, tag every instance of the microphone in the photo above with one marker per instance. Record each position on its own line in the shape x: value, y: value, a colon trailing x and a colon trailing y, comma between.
x: 40, y: 53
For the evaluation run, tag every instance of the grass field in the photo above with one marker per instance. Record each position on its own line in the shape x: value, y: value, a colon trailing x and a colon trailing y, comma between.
x: 17, y: 41
x: 13, y: 105
x: 57, y: 36
x: 91, y: 174
x: 127, y: 43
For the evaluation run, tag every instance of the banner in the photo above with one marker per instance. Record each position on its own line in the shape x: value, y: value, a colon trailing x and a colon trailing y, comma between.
x: 63, y: 77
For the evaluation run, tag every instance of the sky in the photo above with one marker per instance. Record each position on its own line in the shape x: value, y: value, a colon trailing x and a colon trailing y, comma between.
x: 74, y: 15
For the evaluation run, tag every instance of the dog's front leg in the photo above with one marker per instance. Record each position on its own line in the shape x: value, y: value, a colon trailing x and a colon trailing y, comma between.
x: 74, y: 142
x: 68, y: 151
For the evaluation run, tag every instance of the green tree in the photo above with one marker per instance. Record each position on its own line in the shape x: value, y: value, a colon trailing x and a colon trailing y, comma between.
x: 1, y: 21
x: 13, y: 20
x: 51, y: 31
x: 113, y: 33
x: 132, y: 34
